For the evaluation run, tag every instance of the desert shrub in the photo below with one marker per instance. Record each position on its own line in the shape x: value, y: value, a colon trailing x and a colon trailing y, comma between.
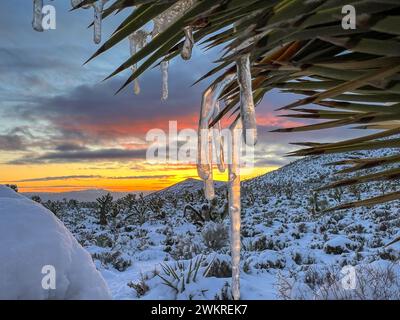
x: 12, y: 186
x: 36, y: 199
x: 180, y: 274
x: 261, y: 244
x: 339, y: 245
x: 115, y: 259
x: 375, y: 281
x: 225, y: 293
x: 220, y: 268
x: 215, y: 235
x: 297, y: 258
x: 140, y: 287
x: 54, y: 206
x: 103, y: 240
x: 184, y: 248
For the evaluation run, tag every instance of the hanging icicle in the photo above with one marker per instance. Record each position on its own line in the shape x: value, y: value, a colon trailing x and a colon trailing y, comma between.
x: 164, y: 76
x: 186, y: 52
x: 37, y: 15
x: 98, y: 18
x: 247, y: 110
x: 218, y: 140
x: 234, y: 204
x: 204, y: 161
x: 137, y: 41
x: 162, y: 22
x: 209, y: 105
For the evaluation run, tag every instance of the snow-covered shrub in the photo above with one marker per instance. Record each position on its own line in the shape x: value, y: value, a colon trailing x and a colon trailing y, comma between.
x: 116, y: 259
x: 338, y: 245
x: 104, y: 240
x: 266, y: 260
x: 215, y: 235
x: 260, y: 244
x: 379, y: 280
x: 182, y: 273
x: 225, y: 293
x: 221, y: 267
x: 54, y: 206
x: 31, y: 237
x: 184, y: 248
x: 140, y: 287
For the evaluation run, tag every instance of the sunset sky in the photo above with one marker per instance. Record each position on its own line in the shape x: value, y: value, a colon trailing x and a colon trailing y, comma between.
x: 62, y: 128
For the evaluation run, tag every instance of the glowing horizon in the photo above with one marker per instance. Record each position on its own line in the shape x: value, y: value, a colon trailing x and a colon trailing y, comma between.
x: 125, y: 182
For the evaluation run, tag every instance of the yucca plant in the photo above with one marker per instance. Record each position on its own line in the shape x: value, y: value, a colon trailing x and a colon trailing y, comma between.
x: 350, y: 75
x: 181, y: 274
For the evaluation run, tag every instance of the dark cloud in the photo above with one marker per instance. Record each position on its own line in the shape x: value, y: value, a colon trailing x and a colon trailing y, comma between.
x: 70, y: 147
x: 12, y: 143
x: 86, y: 155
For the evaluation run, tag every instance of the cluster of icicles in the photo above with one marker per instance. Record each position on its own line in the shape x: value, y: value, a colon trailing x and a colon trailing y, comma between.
x: 160, y: 23
x: 211, y: 138
x: 208, y: 139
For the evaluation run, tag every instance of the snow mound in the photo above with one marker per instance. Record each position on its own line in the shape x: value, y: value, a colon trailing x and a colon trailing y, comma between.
x: 31, y: 237
x: 338, y: 245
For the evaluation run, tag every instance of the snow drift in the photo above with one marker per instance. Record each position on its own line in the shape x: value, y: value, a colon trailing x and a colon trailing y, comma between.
x: 31, y: 237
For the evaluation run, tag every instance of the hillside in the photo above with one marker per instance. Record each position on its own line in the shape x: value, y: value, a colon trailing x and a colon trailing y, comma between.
x: 290, y: 249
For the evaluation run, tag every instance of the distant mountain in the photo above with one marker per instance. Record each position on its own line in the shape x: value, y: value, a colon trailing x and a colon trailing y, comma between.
x: 82, y: 195
x: 190, y: 184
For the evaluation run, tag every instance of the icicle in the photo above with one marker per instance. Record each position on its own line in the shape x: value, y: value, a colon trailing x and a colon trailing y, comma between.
x: 209, y: 192
x: 164, y: 75
x: 186, y: 52
x: 137, y: 41
x: 209, y: 105
x: 247, y: 110
x: 98, y: 11
x: 219, y: 143
x: 37, y: 15
x: 162, y: 22
x: 234, y: 204
x: 203, y: 161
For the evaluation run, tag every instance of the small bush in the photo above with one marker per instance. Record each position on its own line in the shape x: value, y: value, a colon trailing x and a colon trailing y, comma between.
x: 183, y: 248
x: 220, y: 268
x: 215, y: 235
x: 140, y: 287
x: 114, y: 259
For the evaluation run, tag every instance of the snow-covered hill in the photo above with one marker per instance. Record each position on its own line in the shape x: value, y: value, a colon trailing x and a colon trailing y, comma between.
x: 34, y: 244
x: 290, y: 249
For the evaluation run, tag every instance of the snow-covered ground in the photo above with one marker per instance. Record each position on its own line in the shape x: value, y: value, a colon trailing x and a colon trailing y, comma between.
x: 34, y: 246
x: 174, y: 244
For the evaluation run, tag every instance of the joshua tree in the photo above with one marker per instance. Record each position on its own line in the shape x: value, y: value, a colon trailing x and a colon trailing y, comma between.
x: 105, y: 204
x: 349, y: 69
